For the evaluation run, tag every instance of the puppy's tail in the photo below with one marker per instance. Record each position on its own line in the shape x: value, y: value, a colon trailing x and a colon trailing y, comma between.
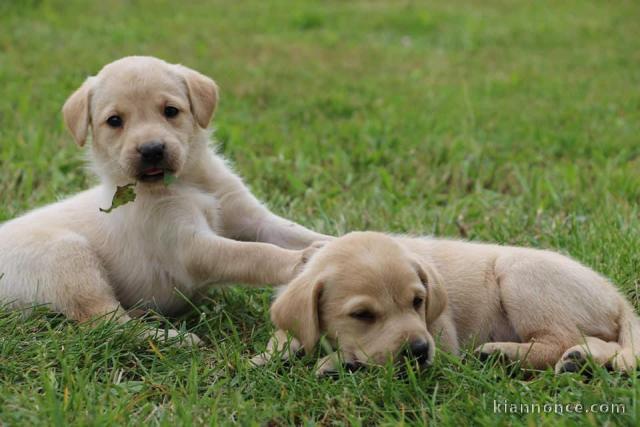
x: 628, y: 338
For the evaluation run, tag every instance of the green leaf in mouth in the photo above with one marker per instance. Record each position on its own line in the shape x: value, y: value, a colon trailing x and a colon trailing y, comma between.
x: 169, y: 178
x: 122, y: 196
x: 127, y: 194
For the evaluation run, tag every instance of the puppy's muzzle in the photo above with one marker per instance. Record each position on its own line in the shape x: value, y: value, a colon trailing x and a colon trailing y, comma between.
x: 152, y: 161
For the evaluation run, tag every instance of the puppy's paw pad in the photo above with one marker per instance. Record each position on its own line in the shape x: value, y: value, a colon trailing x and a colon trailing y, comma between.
x: 496, y: 355
x: 572, y: 360
x: 569, y: 365
x: 486, y: 353
x: 574, y: 355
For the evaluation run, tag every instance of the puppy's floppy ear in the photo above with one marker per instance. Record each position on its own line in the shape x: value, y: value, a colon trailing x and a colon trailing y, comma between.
x: 76, y: 112
x: 436, y: 293
x: 203, y: 94
x: 296, y: 310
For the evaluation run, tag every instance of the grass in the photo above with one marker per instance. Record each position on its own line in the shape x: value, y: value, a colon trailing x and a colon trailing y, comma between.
x: 511, y: 122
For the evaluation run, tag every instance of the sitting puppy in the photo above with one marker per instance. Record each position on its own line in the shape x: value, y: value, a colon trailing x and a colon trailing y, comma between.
x: 148, y: 119
x: 377, y: 297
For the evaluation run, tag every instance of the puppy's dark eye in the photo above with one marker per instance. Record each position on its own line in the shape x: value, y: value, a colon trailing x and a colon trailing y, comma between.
x: 417, y: 302
x: 170, y: 112
x: 364, y: 315
x: 115, y: 121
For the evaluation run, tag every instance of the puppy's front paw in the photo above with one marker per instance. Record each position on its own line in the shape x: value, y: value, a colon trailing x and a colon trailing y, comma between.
x: 311, y: 250
x: 329, y: 365
x: 260, y: 359
x: 172, y: 336
x: 307, y: 253
x: 188, y: 339
x: 279, y: 345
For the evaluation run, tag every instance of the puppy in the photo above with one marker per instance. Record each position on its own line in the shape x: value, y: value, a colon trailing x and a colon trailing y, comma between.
x: 376, y: 297
x: 147, y: 119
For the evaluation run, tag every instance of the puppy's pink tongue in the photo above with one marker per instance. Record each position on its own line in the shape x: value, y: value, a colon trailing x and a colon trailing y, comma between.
x: 153, y: 171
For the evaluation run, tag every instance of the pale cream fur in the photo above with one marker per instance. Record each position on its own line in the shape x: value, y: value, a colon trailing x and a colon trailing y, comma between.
x: 536, y: 306
x: 174, y: 240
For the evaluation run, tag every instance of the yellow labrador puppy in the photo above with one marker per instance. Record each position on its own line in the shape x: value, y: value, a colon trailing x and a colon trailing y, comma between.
x: 377, y: 297
x: 147, y: 119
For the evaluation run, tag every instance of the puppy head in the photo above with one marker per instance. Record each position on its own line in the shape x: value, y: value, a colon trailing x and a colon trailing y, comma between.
x: 368, y: 296
x: 144, y: 115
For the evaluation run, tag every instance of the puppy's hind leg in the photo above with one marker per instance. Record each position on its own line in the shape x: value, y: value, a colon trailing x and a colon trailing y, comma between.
x: 57, y: 269
x: 61, y: 271
x: 537, y: 323
x: 536, y: 354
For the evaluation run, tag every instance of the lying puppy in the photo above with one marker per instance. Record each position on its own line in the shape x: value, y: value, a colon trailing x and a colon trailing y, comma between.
x: 148, y: 119
x: 377, y: 297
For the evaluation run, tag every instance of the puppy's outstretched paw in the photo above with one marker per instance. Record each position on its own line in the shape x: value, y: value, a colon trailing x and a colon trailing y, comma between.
x: 329, y: 365
x: 280, y: 345
x: 306, y: 254
x: 260, y: 359
x: 188, y: 339
x: 172, y: 336
x: 311, y: 250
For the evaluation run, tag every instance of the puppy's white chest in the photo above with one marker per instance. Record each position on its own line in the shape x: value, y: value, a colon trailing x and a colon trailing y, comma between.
x: 148, y: 269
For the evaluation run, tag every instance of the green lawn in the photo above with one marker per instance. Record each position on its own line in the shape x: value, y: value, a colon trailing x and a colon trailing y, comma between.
x: 511, y: 122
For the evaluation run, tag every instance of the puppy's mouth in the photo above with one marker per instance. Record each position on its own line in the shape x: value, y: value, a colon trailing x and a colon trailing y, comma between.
x: 401, y: 366
x: 152, y: 174
x: 417, y: 363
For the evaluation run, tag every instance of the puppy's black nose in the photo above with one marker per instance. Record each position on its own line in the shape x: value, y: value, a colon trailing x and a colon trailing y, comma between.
x: 419, y: 350
x: 152, y: 152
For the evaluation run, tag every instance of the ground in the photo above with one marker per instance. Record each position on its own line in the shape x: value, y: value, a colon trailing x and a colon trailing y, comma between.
x: 510, y: 122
